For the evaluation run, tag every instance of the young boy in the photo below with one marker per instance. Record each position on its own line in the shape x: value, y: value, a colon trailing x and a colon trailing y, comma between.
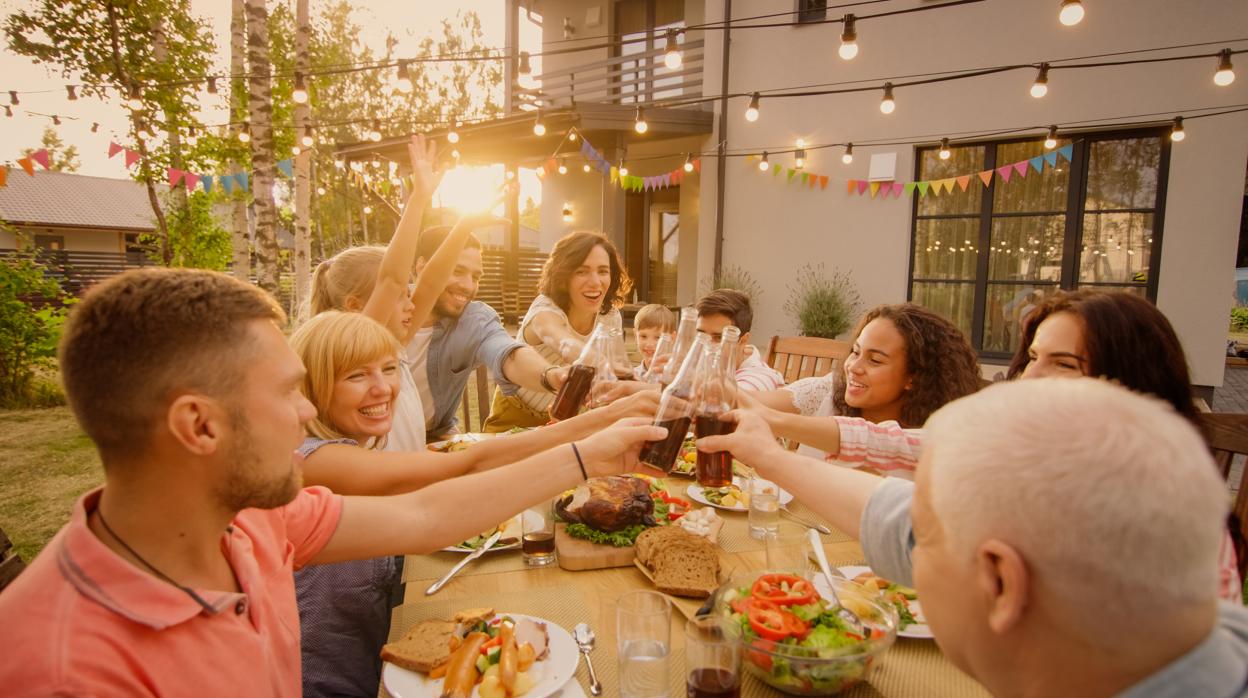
x: 650, y: 323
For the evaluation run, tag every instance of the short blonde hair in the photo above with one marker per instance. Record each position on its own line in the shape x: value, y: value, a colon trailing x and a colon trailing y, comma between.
x: 1110, y: 496
x: 330, y: 344
x: 654, y: 315
x: 351, y: 273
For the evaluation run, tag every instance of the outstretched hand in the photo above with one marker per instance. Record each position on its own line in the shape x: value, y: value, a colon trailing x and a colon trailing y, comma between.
x: 474, y: 220
x: 427, y: 173
x: 614, y: 450
x: 751, y: 442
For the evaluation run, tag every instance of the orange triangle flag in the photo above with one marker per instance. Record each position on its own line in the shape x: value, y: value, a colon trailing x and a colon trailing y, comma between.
x: 851, y: 185
x: 963, y: 181
x: 823, y: 182
x: 4, y: 176
x: 986, y: 176
x: 28, y: 165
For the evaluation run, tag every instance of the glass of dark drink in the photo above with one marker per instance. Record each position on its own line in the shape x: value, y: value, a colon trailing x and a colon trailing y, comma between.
x: 712, y: 658
x: 538, y: 543
x: 713, y: 469
x: 573, y: 392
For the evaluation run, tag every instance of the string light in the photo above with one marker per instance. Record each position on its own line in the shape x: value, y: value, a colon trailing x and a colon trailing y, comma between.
x: 376, y: 161
x: 689, y: 162
x: 623, y: 167
x: 73, y: 95
x: 1051, y: 141
x: 525, y: 68
x: 799, y: 156
x: 455, y: 153
x: 295, y: 150
x: 539, y: 129
x: 300, y: 94
x: 368, y: 210
x: 567, y: 213
x: 135, y: 102
x: 585, y: 168
x: 751, y: 112
x: 306, y: 140
x: 571, y: 136
x: 212, y: 85
x: 639, y: 122
x: 671, y: 54
x: 340, y: 163
x: 563, y: 166
x: 764, y: 165
x: 375, y: 134
x: 320, y: 191
x: 244, y: 137
x: 405, y: 80
x: 1071, y: 12
x: 944, y: 149
x: 887, y: 105
x: 1040, y: 87
x: 849, y: 39
x: 1176, y: 131
x: 452, y: 136
x: 1226, y: 73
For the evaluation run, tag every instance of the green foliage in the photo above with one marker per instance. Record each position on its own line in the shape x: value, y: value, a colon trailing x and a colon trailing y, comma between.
x: 61, y: 157
x: 31, y: 319
x: 1239, y: 319
x: 735, y: 278
x: 822, y: 305
x: 195, y: 235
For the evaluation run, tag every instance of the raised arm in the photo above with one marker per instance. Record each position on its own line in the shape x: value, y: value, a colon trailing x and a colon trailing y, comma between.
x: 457, y: 509
x: 551, y: 329
x: 525, y: 367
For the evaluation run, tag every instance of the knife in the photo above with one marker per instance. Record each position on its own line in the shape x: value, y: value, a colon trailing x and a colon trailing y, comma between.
x: 437, y: 586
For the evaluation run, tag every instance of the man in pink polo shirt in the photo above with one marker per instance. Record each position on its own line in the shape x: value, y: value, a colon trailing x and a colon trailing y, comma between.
x: 175, y: 578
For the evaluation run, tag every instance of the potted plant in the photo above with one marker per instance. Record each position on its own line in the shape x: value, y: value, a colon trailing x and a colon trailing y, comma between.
x: 822, y: 304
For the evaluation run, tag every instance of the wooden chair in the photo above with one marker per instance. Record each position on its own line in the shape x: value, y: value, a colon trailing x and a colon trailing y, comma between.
x: 803, y: 357
x: 480, y: 383
x: 10, y: 564
x: 1228, y: 437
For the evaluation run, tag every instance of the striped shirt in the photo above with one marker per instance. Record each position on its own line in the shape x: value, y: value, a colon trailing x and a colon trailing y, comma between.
x: 755, y: 375
x: 885, y: 448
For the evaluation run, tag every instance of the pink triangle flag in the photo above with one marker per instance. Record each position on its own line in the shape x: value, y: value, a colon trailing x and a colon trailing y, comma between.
x: 1021, y: 168
x: 113, y: 148
x: 898, y: 188
x: 851, y: 186
x: 1005, y: 172
x: 132, y: 156
x: 175, y: 176
x: 41, y: 156
x: 875, y: 189
x: 963, y: 181
x: 862, y: 186
x: 190, y: 180
x: 823, y: 182
x: 986, y: 177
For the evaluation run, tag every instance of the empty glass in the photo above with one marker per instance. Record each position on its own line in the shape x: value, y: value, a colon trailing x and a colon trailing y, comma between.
x: 788, y: 549
x: 644, y: 634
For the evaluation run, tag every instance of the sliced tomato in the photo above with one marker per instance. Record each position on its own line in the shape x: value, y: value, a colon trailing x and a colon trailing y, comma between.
x: 796, y: 626
x: 741, y: 604
x: 768, y: 621
x: 759, y: 654
x: 771, y: 587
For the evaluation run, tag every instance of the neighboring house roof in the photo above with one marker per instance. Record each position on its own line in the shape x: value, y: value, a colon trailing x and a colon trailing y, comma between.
x: 63, y: 199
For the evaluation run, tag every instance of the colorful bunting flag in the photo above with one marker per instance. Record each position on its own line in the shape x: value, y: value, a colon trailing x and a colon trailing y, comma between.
x: 242, y: 179
x: 132, y: 157
x: 776, y: 170
x: 791, y: 172
x: 41, y: 156
x: 207, y: 180
x: 4, y: 175
x: 897, y: 189
x: 114, y: 148
x: 1038, y: 163
x: 875, y: 189
x: 287, y: 167
x: 28, y: 165
x: 1005, y: 172
x: 227, y: 183
x: 851, y: 185
x: 986, y: 177
x: 863, y: 185
x: 175, y: 176
x: 1051, y: 158
x: 1066, y: 151
x: 1021, y: 168
x: 964, y: 181
x: 190, y: 180
x: 922, y: 187
x: 908, y: 187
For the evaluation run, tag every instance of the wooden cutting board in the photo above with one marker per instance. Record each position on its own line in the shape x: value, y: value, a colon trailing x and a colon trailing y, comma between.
x: 576, y: 554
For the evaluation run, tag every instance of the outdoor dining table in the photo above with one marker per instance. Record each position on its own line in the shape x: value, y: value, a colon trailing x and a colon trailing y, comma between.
x: 911, y: 667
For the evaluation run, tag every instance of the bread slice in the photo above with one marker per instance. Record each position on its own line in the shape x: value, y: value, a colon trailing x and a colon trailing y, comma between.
x: 425, y: 646
x: 653, y: 539
x: 472, y: 616
x: 686, y: 570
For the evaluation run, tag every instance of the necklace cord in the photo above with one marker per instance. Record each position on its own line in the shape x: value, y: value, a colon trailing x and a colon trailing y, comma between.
x: 164, y: 577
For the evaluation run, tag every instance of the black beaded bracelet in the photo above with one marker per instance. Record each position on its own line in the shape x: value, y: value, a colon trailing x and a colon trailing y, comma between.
x: 579, y: 462
x: 545, y: 380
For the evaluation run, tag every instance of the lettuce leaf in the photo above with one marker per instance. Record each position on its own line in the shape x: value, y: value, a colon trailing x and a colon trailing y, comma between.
x: 619, y: 539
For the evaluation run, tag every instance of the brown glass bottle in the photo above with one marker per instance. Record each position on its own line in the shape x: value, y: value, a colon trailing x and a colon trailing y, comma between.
x: 713, y: 469
x: 573, y: 392
x: 675, y: 411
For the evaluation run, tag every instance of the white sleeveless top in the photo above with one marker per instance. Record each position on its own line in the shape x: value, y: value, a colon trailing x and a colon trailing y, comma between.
x: 813, y: 398
x: 407, y: 430
x: 541, y: 400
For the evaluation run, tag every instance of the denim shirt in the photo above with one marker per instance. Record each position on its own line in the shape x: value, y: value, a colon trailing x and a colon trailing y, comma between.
x: 456, y: 349
x: 1218, y: 666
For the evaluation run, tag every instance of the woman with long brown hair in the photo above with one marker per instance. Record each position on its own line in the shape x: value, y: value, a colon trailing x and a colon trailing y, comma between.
x: 583, y: 279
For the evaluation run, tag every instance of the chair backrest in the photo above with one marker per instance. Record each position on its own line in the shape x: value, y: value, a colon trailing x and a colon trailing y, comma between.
x: 10, y: 563
x: 1228, y: 437
x: 478, y: 387
x: 803, y: 357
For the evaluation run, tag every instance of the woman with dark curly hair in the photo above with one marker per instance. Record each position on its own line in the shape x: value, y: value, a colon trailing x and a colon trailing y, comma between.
x: 906, y: 363
x: 583, y: 279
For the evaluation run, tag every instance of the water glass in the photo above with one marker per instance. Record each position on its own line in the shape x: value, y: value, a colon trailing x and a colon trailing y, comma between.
x: 788, y: 549
x: 643, y: 633
x: 538, y: 542
x: 713, y: 658
x: 764, y: 507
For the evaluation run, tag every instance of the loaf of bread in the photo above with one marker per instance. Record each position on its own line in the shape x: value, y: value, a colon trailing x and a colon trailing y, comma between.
x: 425, y: 646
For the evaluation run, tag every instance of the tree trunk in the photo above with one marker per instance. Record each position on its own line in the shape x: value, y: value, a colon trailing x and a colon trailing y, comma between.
x: 238, y: 114
x: 260, y: 113
x: 303, y: 161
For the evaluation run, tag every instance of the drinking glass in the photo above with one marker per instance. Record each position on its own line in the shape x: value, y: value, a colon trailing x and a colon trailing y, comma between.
x: 643, y: 633
x: 788, y: 549
x: 712, y: 658
x: 538, y: 527
x: 764, y: 507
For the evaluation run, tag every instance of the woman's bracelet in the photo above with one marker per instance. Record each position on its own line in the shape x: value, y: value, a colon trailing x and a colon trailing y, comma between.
x: 545, y: 380
x: 579, y: 462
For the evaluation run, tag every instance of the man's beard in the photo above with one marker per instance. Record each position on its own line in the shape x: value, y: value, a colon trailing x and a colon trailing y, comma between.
x: 444, y: 308
x: 246, y: 485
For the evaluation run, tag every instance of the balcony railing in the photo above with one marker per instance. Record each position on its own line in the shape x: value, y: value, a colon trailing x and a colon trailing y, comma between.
x: 638, y: 77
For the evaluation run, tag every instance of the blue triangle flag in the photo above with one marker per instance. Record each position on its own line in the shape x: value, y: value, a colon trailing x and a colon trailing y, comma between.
x: 287, y: 167
x: 242, y: 180
x: 207, y: 182
x: 1066, y: 151
x: 1037, y: 163
x: 1051, y: 158
x: 227, y: 182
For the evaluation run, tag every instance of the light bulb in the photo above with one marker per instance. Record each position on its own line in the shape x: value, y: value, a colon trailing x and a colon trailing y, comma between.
x: 671, y: 54
x: 849, y: 39
x: 848, y: 157
x: 539, y: 129
x: 585, y: 168
x: 763, y: 165
x: 799, y: 159
x: 405, y: 80
x: 563, y: 168
x: 887, y: 105
x: 295, y: 150
x: 452, y: 136
x: 1040, y: 87
x: 300, y: 93
x: 307, y: 141
x: 688, y: 163
x: 455, y: 153
x: 1071, y: 12
x: 944, y: 149
x: 623, y: 170
x: 320, y: 191
x: 244, y: 137
x: 639, y: 122
x: 1051, y: 141
x: 751, y: 112
x: 368, y: 210
x: 1176, y: 131
x: 1226, y: 72
x: 567, y: 213
x: 571, y: 136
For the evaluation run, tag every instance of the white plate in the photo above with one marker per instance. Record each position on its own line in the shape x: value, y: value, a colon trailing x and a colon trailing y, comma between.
x: 550, y: 674
x: 441, y: 446
x: 919, y: 630
x: 511, y: 529
x: 696, y: 493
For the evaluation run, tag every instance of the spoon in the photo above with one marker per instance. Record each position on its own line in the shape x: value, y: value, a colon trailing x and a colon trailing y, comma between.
x: 851, y: 620
x: 585, y: 642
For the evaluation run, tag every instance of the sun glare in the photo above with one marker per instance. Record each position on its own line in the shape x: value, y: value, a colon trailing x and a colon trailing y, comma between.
x: 471, y: 189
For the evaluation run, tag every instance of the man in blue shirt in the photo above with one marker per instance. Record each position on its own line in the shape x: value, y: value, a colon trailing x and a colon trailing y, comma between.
x: 463, y: 334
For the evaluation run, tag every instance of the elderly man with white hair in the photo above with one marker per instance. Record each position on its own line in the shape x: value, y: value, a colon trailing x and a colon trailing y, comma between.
x: 1063, y: 535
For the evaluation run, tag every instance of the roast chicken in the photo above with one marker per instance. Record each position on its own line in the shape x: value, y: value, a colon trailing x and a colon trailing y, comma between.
x: 609, y: 504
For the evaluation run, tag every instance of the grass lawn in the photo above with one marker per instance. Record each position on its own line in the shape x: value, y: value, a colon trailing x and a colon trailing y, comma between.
x: 46, y: 462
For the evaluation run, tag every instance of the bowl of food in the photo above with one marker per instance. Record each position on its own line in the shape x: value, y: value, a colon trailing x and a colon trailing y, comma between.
x: 795, y: 641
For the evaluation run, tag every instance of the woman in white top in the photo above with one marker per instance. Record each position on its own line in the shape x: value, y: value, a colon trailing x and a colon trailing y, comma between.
x: 583, y: 279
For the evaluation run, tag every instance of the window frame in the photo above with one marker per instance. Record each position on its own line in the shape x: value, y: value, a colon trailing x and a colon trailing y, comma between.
x: 810, y: 15
x: 1076, y: 200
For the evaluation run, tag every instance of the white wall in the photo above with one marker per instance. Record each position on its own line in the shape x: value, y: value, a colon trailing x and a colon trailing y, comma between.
x: 771, y: 228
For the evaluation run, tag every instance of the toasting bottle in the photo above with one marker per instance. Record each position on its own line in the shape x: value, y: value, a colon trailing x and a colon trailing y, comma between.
x: 686, y: 333
x: 654, y: 372
x: 621, y: 365
x: 717, y: 395
x: 676, y: 409
x: 581, y: 374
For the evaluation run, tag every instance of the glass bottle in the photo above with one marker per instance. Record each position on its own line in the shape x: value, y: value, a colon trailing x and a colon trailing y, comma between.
x: 686, y: 333
x: 654, y: 372
x: 581, y: 374
x: 676, y: 409
x: 717, y: 395
x: 621, y: 365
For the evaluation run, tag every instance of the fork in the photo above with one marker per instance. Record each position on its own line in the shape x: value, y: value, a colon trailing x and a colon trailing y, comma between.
x: 851, y: 620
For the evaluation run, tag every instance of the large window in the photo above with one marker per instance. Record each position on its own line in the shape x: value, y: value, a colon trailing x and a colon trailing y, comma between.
x: 984, y: 257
